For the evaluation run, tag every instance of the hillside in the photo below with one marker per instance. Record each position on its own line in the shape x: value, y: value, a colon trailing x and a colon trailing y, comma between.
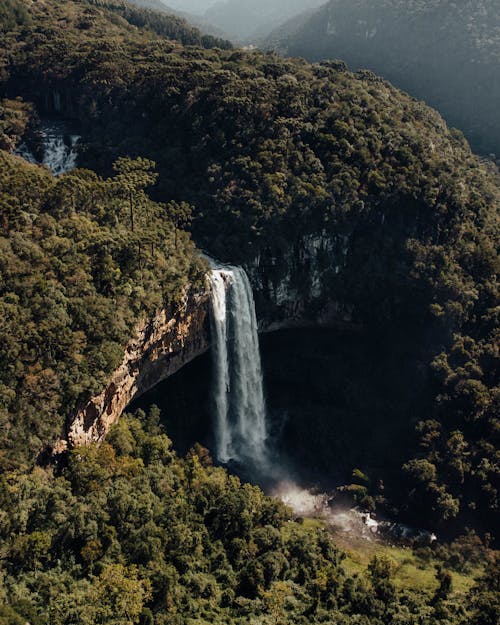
x: 156, y: 16
x: 269, y: 151
x: 92, y: 279
x: 446, y: 53
x: 250, y: 156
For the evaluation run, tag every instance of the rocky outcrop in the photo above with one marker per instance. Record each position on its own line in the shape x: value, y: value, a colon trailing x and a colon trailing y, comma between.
x: 52, y: 98
x: 161, y: 347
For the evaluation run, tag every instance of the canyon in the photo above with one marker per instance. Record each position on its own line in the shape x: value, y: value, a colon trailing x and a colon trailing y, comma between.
x: 173, y: 338
x: 158, y: 407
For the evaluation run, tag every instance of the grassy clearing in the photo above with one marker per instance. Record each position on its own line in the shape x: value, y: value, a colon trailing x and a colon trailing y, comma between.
x: 410, y: 572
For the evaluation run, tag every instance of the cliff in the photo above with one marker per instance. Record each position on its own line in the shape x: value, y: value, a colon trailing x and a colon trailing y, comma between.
x: 161, y: 347
x: 170, y: 340
x: 293, y: 285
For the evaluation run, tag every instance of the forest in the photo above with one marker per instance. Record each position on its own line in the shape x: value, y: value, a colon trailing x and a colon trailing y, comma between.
x: 130, y: 533
x: 190, y: 144
x: 82, y: 263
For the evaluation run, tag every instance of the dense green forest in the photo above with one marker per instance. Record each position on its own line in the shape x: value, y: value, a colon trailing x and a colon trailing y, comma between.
x: 81, y: 265
x: 184, y: 12
x: 269, y: 150
x: 12, y: 13
x: 441, y: 51
x: 263, y: 151
x: 132, y: 534
x: 17, y: 119
x: 161, y: 23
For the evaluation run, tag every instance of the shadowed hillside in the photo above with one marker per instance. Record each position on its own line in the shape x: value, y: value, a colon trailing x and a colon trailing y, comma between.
x: 446, y: 53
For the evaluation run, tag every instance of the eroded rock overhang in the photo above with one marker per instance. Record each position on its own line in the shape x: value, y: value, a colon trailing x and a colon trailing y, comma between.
x: 171, y: 339
x: 162, y: 346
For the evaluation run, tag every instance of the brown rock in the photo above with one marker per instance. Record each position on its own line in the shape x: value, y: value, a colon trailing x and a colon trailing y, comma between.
x: 161, y: 347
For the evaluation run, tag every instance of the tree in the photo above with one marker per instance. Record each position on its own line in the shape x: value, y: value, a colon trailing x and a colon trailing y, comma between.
x: 485, y: 595
x: 119, y: 595
x: 9, y: 617
x: 381, y: 571
x: 445, y: 584
x: 275, y: 600
x: 181, y: 214
x: 132, y: 177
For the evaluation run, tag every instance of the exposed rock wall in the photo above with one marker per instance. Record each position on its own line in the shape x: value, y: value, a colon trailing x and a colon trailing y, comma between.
x: 161, y: 347
x: 56, y: 98
x: 293, y: 286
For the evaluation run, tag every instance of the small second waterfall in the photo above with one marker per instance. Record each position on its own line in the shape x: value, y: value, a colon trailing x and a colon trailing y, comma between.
x: 58, y: 148
x: 238, y: 395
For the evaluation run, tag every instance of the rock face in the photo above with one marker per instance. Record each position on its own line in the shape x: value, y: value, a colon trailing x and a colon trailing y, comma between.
x: 292, y: 287
x: 161, y: 347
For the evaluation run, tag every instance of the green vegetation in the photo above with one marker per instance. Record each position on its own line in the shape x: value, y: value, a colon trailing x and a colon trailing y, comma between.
x: 257, y: 153
x: 165, y: 25
x: 269, y: 151
x: 444, y: 52
x: 82, y: 260
x: 16, y: 117
x: 411, y: 569
x: 13, y: 13
x: 132, y: 534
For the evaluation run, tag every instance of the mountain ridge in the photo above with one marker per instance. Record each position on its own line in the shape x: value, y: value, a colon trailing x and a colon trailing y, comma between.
x: 405, y: 43
x: 250, y: 20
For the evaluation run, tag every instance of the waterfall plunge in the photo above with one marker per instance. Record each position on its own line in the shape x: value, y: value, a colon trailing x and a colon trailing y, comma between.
x: 238, y: 396
x: 59, y: 156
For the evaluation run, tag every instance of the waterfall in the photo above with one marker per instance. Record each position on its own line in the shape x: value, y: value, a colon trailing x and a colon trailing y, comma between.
x: 59, y: 156
x: 58, y: 149
x: 221, y: 364
x: 238, y: 396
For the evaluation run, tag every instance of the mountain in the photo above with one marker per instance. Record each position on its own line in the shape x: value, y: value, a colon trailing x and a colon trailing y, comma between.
x: 155, y: 5
x: 196, y: 7
x: 248, y: 20
x: 270, y: 153
x: 147, y: 14
x: 275, y: 40
x: 446, y: 53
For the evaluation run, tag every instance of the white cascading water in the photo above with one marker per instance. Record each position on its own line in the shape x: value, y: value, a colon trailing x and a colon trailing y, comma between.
x: 238, y: 395
x: 59, y: 155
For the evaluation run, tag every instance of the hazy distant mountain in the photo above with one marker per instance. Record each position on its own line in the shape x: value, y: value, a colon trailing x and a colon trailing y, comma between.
x: 443, y: 51
x: 157, y: 5
x: 192, y: 6
x: 195, y: 20
x: 251, y: 19
x: 279, y: 38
